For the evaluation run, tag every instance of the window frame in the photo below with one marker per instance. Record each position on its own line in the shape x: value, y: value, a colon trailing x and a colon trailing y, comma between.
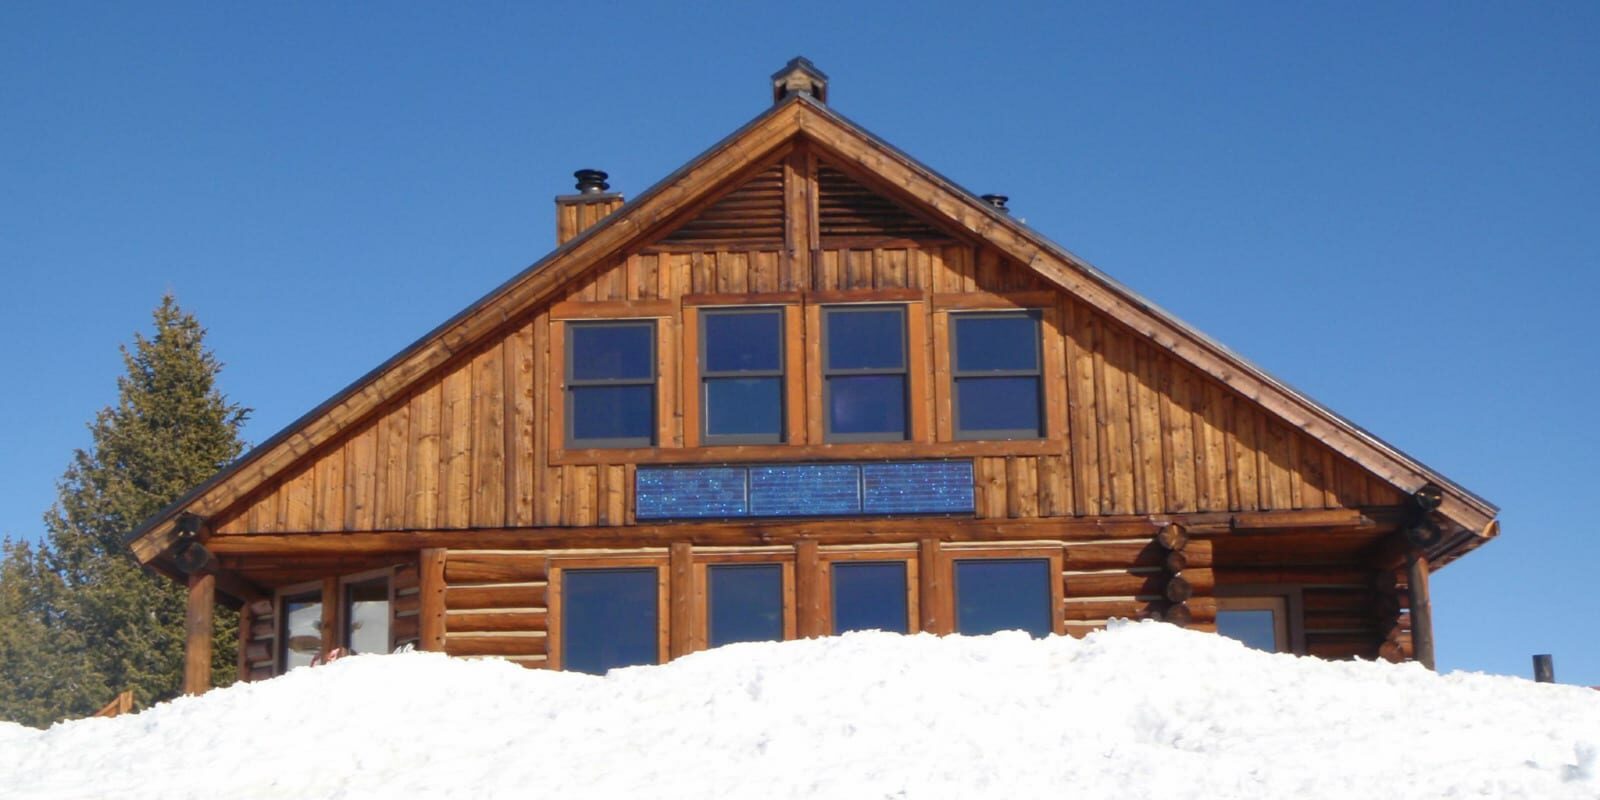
x: 950, y: 553
x: 569, y: 383
x: 281, y: 597
x: 825, y: 368
x: 1036, y: 316
x: 1290, y: 624
x: 700, y: 622
x: 555, y: 608
x: 907, y: 555
x: 704, y: 376
x: 370, y: 576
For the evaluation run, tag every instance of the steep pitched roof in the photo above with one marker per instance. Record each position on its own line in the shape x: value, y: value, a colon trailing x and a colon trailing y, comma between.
x: 692, y: 187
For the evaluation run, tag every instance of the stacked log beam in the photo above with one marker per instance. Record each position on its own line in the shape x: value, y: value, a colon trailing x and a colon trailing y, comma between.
x: 496, y: 605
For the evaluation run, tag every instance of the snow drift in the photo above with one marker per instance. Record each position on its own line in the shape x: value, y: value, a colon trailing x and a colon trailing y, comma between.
x: 1141, y: 710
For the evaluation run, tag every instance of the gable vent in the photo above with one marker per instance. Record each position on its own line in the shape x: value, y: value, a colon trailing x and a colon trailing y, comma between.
x: 846, y: 209
x: 750, y: 216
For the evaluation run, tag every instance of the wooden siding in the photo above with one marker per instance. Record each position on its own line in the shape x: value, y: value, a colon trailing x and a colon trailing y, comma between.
x: 1132, y: 429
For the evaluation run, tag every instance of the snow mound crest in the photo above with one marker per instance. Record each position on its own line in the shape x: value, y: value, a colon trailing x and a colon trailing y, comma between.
x: 1138, y: 711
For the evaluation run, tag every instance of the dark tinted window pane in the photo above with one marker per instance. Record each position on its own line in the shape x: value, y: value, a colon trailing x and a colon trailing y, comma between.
x: 867, y: 404
x: 1003, y: 595
x: 366, y: 615
x: 997, y: 404
x: 745, y: 603
x: 743, y: 341
x: 302, y: 630
x: 602, y: 352
x: 996, y: 343
x: 1256, y: 628
x: 866, y: 339
x: 869, y: 595
x: 613, y: 412
x: 744, y: 406
x: 608, y: 618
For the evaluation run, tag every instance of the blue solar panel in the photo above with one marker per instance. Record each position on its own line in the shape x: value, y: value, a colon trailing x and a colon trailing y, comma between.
x: 917, y: 487
x: 804, y: 490
x: 690, y: 492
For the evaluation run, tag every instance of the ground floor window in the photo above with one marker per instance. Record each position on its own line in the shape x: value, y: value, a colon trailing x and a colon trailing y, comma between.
x: 1002, y: 594
x: 1261, y: 622
x: 366, y: 615
x: 610, y: 618
x: 300, y: 629
x: 744, y: 603
x: 870, y: 595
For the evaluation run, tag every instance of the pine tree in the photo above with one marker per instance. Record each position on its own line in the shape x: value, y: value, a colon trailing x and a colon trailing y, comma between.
x: 106, y: 621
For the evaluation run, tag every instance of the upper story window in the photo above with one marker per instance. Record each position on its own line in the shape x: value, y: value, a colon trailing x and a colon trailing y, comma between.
x: 996, y: 375
x: 741, y: 374
x: 864, y: 373
x: 611, y: 384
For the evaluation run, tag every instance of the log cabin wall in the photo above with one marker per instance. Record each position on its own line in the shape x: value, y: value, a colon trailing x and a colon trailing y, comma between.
x: 1131, y: 432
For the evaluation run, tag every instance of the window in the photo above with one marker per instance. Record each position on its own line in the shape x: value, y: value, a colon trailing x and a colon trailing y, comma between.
x: 1258, y: 622
x: 299, y: 629
x: 995, y: 374
x: 741, y: 369
x: 870, y: 595
x: 1002, y: 594
x: 611, y: 384
x: 366, y: 616
x: 744, y: 603
x: 864, y: 373
x: 609, y: 618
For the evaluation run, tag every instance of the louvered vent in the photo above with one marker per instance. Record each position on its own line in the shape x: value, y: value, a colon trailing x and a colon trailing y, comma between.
x: 849, y: 210
x: 751, y: 216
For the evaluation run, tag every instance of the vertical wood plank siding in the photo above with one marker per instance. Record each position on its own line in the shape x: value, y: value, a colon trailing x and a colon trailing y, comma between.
x: 1136, y: 431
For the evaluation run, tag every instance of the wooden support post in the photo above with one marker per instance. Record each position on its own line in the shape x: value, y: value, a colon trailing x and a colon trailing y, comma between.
x: 809, y: 582
x: 680, y: 615
x: 931, y: 590
x: 1421, y: 608
x: 430, y: 618
x: 330, y: 616
x: 247, y: 621
x: 198, y: 629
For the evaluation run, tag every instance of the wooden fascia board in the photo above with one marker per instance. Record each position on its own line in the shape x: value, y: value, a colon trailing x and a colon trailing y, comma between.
x: 629, y: 225
x: 844, y: 140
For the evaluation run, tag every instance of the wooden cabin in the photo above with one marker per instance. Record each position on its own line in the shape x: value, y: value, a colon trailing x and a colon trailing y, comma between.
x: 801, y: 386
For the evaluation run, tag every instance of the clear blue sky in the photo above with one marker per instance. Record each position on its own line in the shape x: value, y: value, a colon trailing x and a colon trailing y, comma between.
x: 1394, y: 210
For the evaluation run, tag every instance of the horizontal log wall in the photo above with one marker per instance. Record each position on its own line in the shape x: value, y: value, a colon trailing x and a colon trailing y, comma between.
x: 496, y: 602
x: 495, y: 605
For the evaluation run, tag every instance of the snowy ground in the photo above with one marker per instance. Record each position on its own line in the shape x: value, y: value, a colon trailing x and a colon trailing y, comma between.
x: 1142, y: 710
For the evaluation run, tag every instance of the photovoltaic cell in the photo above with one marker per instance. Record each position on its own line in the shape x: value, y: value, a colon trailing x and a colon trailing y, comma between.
x: 690, y: 492
x: 804, y: 490
x: 917, y: 487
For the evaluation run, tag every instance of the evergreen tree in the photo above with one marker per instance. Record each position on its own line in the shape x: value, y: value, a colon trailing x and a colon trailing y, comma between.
x: 105, y: 622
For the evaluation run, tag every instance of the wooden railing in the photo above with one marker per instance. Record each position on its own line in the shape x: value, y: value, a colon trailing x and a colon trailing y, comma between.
x: 121, y: 704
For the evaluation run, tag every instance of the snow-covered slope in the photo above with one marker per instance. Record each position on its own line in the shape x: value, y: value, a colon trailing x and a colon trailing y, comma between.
x: 1142, y: 710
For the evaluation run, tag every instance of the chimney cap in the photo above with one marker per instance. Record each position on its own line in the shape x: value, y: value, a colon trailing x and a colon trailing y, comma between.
x: 591, y: 181
x: 799, y: 76
x: 997, y: 202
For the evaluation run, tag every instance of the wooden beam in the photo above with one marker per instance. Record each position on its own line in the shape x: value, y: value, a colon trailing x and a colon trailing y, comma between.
x: 810, y: 584
x: 680, y: 623
x: 246, y: 622
x: 198, y: 629
x: 1089, y: 528
x: 933, y: 594
x: 431, y: 616
x: 1421, y: 608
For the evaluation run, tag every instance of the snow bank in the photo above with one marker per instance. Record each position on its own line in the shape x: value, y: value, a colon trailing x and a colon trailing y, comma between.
x: 1142, y: 710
